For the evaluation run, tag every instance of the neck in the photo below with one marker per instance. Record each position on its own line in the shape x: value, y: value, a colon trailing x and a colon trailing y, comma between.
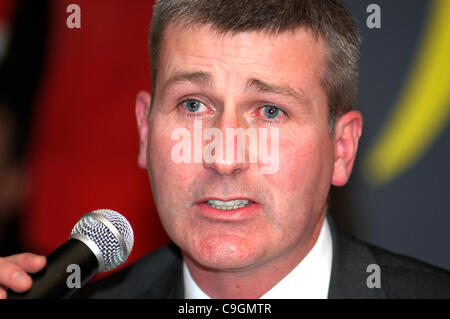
x: 254, y: 281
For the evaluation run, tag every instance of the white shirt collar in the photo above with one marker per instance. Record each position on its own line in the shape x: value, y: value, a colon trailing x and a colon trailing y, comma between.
x: 310, y: 279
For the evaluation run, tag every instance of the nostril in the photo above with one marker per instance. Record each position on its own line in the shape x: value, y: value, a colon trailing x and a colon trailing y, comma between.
x: 227, y: 168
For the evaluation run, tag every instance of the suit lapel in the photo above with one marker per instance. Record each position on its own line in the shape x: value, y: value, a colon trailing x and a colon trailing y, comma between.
x: 170, y: 284
x: 349, y: 268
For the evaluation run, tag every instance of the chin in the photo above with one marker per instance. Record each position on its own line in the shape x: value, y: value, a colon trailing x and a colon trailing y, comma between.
x: 224, y: 252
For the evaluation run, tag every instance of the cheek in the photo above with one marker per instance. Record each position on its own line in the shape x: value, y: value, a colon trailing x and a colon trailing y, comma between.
x: 167, y: 177
x: 168, y: 181
x: 305, y: 168
x: 300, y: 187
x: 172, y: 183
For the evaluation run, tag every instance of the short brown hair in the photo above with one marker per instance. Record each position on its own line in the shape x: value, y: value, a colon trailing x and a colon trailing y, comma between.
x: 325, y: 18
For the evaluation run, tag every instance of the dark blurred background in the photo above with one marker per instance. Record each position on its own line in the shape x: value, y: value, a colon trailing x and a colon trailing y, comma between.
x: 68, y: 142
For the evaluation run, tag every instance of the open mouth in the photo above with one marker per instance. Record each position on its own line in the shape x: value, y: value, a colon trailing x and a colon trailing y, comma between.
x: 228, y: 205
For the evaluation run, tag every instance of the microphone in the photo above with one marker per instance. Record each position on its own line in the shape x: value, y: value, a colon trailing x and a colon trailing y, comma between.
x: 100, y: 241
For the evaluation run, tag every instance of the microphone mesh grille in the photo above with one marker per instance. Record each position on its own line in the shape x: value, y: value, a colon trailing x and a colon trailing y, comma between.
x: 94, y: 229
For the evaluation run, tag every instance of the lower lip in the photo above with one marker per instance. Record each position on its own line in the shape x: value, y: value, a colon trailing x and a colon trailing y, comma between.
x: 237, y: 214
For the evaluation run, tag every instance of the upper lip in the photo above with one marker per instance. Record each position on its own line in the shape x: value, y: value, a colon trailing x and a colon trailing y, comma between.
x: 226, y: 199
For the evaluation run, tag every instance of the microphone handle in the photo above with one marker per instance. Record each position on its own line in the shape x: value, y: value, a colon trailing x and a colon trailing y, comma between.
x: 51, y: 282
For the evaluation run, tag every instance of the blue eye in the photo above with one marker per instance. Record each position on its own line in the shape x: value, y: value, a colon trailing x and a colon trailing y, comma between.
x: 271, y: 111
x: 192, y: 105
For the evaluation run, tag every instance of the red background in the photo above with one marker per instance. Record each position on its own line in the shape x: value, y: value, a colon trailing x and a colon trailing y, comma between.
x: 84, y: 141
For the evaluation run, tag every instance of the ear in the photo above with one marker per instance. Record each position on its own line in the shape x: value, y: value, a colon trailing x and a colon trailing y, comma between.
x: 347, y: 132
x: 143, y: 101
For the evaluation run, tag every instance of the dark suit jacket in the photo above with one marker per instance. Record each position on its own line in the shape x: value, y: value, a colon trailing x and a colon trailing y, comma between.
x: 160, y: 274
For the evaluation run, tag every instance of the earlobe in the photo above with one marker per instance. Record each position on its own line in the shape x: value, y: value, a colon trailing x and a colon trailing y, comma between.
x: 347, y: 133
x: 143, y: 105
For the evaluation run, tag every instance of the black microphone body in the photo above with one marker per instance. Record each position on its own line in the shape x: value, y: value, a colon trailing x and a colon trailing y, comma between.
x: 51, y: 282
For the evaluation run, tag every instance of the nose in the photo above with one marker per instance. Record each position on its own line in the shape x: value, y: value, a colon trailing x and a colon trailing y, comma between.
x: 230, y: 156
x: 227, y: 167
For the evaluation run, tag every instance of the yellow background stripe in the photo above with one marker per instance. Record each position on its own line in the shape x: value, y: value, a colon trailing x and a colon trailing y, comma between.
x: 423, y: 109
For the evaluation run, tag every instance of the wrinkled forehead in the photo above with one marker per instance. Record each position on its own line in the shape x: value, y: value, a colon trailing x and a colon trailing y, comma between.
x: 295, y: 36
x: 291, y: 55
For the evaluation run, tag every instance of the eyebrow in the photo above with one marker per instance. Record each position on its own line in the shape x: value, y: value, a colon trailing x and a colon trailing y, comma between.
x: 198, y: 78
x: 205, y: 79
x: 276, y: 89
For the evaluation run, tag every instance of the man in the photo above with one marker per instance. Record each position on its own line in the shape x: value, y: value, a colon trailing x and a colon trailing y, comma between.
x: 284, y: 70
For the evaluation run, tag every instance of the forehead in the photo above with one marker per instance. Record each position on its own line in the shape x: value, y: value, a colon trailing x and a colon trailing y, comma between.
x: 295, y: 58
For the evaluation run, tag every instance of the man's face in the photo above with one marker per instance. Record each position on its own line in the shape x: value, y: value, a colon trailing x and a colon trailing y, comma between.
x: 246, y: 80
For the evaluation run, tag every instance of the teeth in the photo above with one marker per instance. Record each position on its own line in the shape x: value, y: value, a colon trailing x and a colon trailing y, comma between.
x: 232, y: 204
